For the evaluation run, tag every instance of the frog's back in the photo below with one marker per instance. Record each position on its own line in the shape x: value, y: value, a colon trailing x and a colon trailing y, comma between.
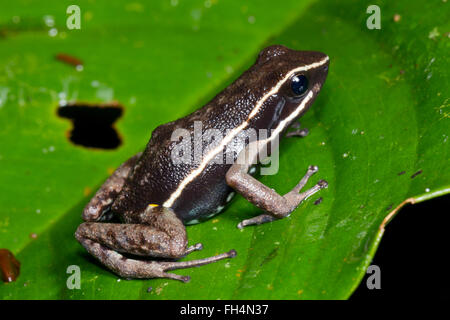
x: 197, y: 189
x: 193, y: 191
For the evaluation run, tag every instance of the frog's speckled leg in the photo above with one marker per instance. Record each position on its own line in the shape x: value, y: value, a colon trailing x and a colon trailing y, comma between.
x: 263, y: 197
x: 96, y: 208
x: 132, y: 268
x: 157, y: 232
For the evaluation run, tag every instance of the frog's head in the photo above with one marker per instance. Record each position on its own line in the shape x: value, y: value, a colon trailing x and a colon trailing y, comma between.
x: 292, y: 77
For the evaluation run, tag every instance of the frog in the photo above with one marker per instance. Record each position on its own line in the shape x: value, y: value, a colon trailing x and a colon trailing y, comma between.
x: 135, y: 224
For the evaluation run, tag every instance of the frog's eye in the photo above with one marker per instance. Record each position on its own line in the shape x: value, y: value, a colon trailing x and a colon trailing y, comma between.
x: 299, y: 84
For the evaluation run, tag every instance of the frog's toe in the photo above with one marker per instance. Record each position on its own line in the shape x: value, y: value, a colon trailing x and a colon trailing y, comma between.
x: 262, y: 218
x: 196, y: 247
x: 297, y: 133
x: 232, y: 253
x: 322, y: 184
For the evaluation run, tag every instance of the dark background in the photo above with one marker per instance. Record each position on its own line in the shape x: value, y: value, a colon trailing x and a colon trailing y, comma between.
x: 413, y: 255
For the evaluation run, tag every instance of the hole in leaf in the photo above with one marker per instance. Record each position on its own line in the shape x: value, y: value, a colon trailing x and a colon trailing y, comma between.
x: 93, y: 125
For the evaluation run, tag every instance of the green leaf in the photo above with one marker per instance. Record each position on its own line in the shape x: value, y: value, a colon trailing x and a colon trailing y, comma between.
x: 382, y: 116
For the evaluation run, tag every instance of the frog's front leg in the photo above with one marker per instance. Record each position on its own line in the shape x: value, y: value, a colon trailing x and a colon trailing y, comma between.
x: 297, y: 132
x: 157, y: 232
x: 101, y: 202
x: 263, y: 197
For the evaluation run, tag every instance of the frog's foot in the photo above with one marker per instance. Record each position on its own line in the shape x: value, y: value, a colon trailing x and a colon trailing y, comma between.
x: 275, y: 205
x: 295, y: 200
x: 132, y: 268
x: 297, y: 132
x: 98, y: 208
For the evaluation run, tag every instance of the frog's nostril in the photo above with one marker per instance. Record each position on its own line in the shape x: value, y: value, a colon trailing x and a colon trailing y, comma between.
x: 93, y: 124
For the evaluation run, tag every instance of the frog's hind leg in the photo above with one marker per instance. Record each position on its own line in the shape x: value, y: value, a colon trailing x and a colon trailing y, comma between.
x: 275, y: 205
x: 98, y: 207
x: 157, y: 232
x: 140, y: 269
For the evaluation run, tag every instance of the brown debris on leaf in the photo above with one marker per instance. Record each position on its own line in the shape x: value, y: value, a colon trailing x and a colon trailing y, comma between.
x: 9, y: 266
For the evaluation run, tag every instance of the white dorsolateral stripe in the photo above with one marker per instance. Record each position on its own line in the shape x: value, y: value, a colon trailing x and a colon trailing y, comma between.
x: 232, y: 133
